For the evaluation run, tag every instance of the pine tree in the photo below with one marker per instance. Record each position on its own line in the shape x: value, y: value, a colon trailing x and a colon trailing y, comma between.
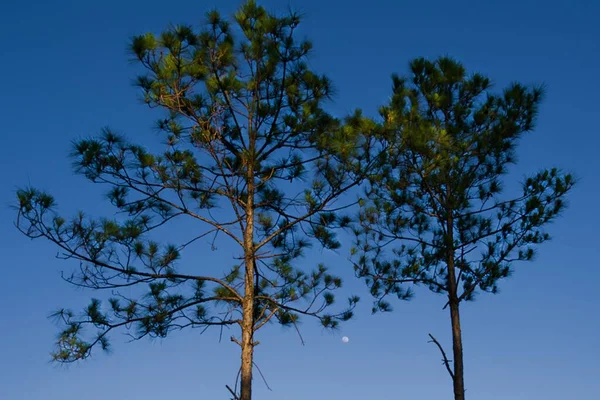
x: 251, y: 157
x: 435, y: 215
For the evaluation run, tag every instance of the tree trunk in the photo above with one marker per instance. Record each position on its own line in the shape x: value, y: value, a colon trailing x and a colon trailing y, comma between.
x: 248, y: 302
x: 247, y: 346
x: 248, y: 312
x: 248, y: 320
x: 458, y: 379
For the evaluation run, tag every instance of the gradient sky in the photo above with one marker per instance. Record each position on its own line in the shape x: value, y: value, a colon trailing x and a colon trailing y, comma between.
x: 65, y: 74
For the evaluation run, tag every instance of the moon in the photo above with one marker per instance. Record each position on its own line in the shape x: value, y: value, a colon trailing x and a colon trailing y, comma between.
x: 345, y: 339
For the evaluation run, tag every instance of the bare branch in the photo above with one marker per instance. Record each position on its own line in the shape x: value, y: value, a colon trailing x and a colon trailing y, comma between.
x: 444, y: 358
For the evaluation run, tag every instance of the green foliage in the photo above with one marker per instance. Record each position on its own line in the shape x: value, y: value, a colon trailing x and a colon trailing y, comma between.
x: 437, y: 198
x: 250, y: 153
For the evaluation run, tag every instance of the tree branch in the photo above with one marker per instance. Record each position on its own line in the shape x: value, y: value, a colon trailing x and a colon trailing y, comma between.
x: 444, y: 359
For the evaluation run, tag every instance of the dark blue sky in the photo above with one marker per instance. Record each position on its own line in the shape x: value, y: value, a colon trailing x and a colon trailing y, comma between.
x: 65, y: 74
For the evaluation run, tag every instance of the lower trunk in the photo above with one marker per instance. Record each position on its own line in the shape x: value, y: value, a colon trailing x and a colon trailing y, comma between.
x: 247, y: 350
x: 458, y: 379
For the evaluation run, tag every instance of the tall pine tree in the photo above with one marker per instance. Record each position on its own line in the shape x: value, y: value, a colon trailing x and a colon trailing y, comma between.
x: 435, y: 215
x: 251, y: 157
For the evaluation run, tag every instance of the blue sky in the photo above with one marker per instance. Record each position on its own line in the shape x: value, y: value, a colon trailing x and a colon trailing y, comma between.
x: 65, y: 74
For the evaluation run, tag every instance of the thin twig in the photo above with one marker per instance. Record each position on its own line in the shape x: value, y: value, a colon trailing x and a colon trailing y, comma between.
x: 237, y: 378
x: 235, y: 397
x: 262, y: 376
x: 299, y: 334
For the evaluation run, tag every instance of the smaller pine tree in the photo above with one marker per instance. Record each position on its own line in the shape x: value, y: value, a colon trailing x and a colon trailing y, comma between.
x: 435, y: 214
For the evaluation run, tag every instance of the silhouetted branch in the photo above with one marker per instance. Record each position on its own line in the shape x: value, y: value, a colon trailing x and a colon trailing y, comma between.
x: 445, y: 359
